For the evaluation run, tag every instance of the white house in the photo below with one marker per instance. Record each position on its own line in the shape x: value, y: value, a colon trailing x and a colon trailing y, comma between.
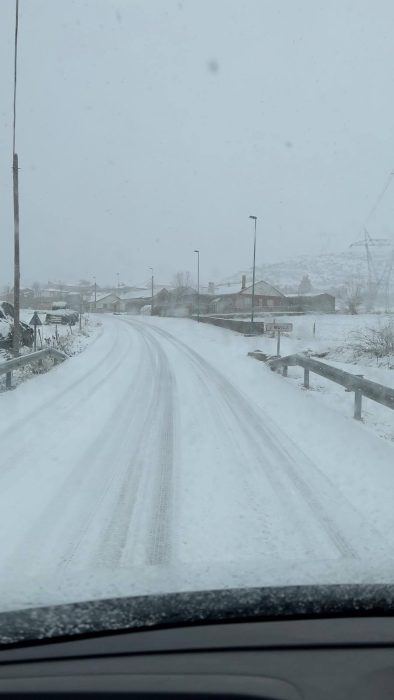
x: 135, y: 299
x: 104, y: 302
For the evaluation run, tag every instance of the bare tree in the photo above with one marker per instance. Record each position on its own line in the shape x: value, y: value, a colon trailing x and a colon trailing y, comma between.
x: 182, y: 281
x: 353, y: 297
x: 36, y: 289
x: 305, y: 286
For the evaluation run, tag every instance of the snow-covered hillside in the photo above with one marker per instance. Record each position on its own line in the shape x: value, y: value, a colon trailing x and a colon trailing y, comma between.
x: 328, y: 272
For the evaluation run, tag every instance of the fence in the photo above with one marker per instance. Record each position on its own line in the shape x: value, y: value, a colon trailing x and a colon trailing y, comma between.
x: 352, y: 382
x: 22, y: 360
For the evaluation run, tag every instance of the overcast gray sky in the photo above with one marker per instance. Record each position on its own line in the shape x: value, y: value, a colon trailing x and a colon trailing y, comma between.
x: 148, y: 128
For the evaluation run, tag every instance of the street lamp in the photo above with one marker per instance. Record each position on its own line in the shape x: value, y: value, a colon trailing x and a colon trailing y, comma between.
x: 95, y: 294
x: 117, y: 303
x: 198, y: 285
x: 254, y: 272
x: 151, y: 304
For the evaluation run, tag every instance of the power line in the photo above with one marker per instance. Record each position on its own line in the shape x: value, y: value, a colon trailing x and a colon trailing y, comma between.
x: 380, y: 197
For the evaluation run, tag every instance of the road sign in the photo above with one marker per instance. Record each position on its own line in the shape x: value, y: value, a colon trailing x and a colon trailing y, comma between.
x: 282, y: 327
x: 35, y: 320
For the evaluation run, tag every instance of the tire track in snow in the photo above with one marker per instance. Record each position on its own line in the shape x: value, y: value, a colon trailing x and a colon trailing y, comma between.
x: 212, y: 415
x: 151, y: 487
x: 57, y: 530
x: 9, y: 458
x: 122, y: 486
x: 142, y: 481
x: 287, y: 468
x: 159, y: 548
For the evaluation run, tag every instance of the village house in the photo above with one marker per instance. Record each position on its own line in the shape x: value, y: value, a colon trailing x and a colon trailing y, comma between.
x: 237, y: 297
x: 106, y: 302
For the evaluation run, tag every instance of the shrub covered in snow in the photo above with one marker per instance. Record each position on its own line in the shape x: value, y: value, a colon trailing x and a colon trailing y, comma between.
x: 374, y: 342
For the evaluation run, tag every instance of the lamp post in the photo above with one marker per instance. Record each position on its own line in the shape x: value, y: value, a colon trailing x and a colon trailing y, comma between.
x: 95, y: 294
x: 117, y: 305
x: 254, y: 272
x: 198, y: 285
x: 152, y: 281
x: 17, y: 275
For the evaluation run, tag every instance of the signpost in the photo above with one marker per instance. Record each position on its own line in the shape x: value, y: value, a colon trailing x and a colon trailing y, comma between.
x: 35, y: 321
x: 279, y: 328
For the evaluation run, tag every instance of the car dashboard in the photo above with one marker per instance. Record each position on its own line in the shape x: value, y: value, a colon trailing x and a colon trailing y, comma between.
x: 326, y: 658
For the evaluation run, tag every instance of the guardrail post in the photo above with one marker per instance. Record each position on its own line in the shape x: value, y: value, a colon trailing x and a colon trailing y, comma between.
x: 8, y: 380
x: 383, y: 395
x: 357, y: 404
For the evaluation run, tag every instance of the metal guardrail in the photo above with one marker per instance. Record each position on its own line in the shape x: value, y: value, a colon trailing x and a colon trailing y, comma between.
x: 22, y: 360
x: 239, y: 325
x: 352, y: 382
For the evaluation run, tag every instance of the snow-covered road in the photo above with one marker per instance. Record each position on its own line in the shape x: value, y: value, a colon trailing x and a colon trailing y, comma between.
x: 158, y: 460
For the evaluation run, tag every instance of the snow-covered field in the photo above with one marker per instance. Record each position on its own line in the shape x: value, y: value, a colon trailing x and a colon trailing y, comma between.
x: 335, y: 335
x: 162, y: 458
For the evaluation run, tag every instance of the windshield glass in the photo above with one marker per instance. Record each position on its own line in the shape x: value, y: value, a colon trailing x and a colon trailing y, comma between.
x: 196, y: 296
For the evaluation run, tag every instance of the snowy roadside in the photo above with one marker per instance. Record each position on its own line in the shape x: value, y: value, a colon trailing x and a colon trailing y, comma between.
x: 332, y: 335
x: 69, y: 339
x: 332, y: 339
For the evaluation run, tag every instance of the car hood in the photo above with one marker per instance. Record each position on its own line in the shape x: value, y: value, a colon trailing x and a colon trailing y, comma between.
x: 190, y: 608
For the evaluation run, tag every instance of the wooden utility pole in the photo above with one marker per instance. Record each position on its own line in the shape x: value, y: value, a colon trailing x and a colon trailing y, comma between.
x: 17, y: 329
x: 17, y: 273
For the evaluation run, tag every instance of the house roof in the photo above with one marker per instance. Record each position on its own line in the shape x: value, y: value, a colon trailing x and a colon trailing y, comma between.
x: 262, y: 288
x: 100, y: 297
x: 227, y: 288
x: 310, y: 295
x: 184, y: 291
x: 143, y: 292
x: 136, y: 294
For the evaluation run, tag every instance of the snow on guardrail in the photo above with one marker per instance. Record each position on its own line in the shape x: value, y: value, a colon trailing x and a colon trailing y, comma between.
x: 23, y: 360
x: 352, y: 382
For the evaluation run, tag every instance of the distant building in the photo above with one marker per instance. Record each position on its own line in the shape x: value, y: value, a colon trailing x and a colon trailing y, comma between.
x: 323, y: 303
x: 133, y: 300
x: 237, y: 297
x: 103, y: 302
x: 182, y: 301
x: 26, y: 297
